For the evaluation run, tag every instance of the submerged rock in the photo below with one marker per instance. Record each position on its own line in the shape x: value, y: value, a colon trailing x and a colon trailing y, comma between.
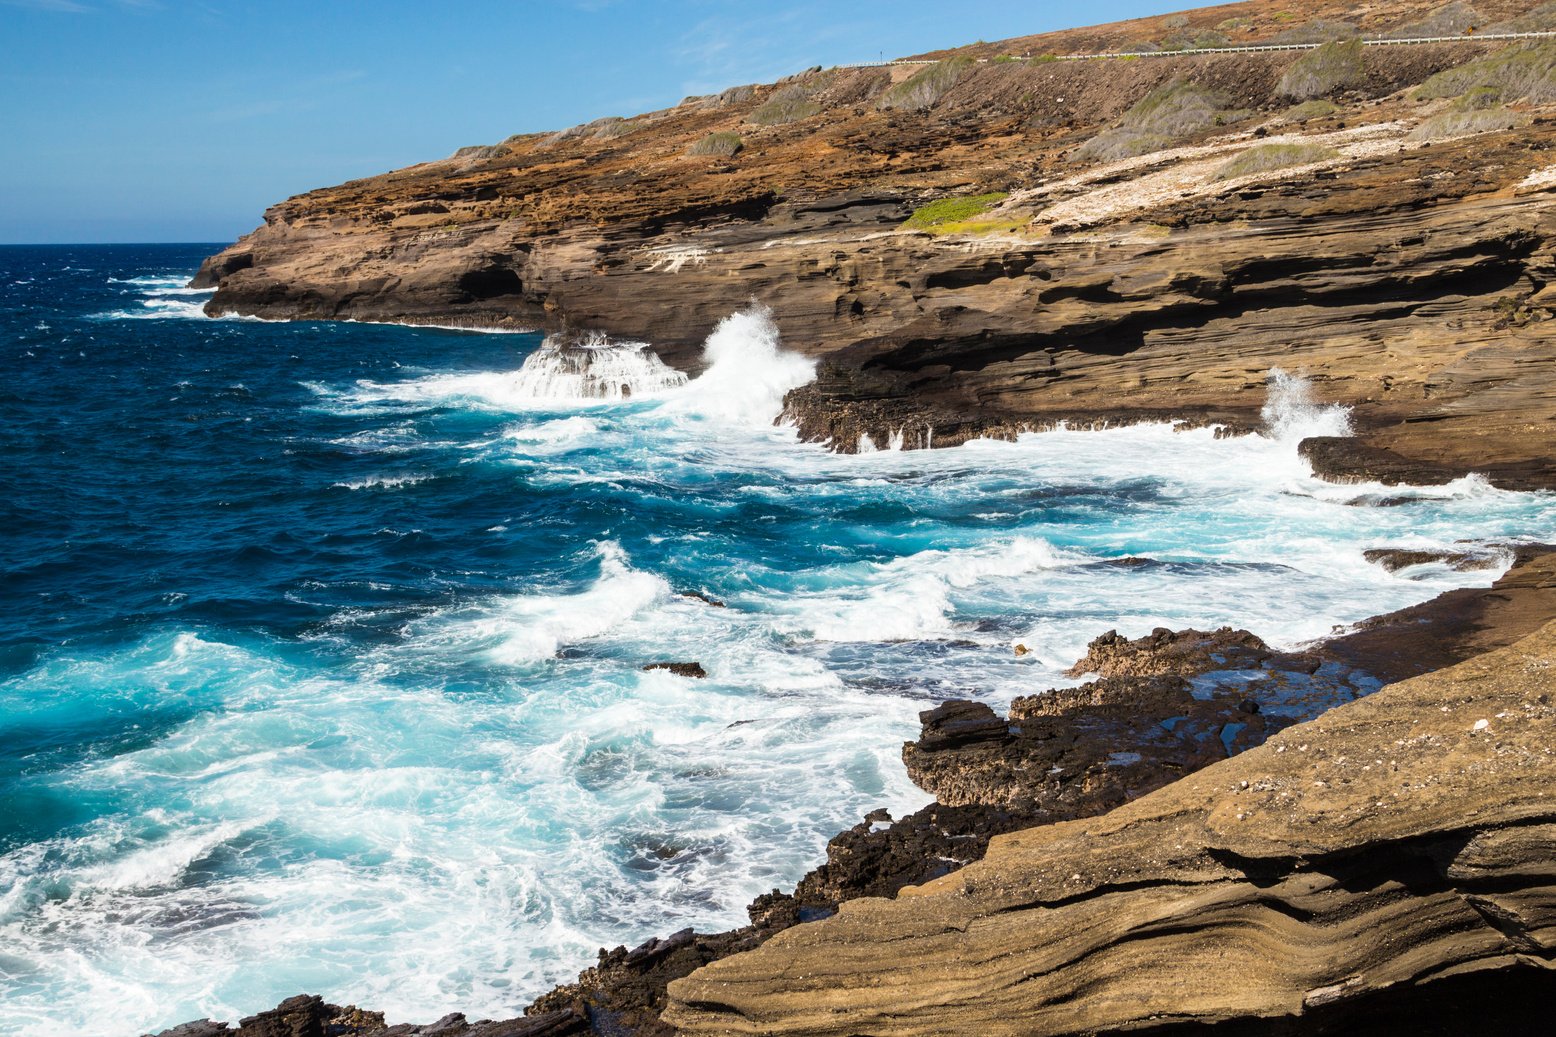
x: 691, y: 669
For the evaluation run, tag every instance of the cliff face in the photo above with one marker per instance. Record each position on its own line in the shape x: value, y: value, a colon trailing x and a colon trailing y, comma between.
x: 1405, y: 274
x: 1347, y: 866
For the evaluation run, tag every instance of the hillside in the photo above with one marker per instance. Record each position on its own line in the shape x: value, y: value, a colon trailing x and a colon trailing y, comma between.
x: 1101, y: 259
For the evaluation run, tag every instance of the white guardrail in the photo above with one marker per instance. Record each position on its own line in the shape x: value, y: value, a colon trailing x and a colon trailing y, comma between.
x: 1256, y: 49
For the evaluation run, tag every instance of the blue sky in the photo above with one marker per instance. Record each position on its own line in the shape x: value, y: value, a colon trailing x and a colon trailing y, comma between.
x: 159, y: 120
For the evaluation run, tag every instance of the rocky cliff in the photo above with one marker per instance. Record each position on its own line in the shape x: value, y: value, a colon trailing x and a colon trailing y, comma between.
x: 1359, y: 873
x: 1134, y: 238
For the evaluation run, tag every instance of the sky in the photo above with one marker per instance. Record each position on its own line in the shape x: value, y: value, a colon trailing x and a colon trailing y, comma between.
x: 161, y: 120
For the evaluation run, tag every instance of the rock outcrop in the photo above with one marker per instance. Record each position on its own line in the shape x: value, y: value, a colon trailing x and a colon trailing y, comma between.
x: 1407, y: 278
x: 1162, y: 706
x: 1347, y: 866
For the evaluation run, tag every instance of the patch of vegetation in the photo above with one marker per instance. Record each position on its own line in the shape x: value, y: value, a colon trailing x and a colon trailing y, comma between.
x: 1139, y: 47
x: 609, y: 129
x: 1448, y: 20
x: 479, y: 151
x: 1196, y: 39
x: 1478, y: 111
x: 788, y: 104
x: 943, y: 212
x: 1332, y: 67
x: 1043, y: 59
x: 1160, y: 118
x: 1541, y: 19
x: 1307, y: 111
x: 1267, y: 157
x: 1522, y: 72
x: 1232, y: 24
x: 926, y: 86
x: 734, y: 95
x: 724, y: 145
x: 1319, y: 30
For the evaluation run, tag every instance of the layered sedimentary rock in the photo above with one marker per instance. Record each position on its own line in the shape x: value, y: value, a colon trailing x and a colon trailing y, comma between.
x: 1347, y: 865
x: 1159, y: 708
x: 1407, y: 278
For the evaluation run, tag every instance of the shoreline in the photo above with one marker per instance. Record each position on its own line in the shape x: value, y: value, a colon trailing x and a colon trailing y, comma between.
x: 1096, y: 748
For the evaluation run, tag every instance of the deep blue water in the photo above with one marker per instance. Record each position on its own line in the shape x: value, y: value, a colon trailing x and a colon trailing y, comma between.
x: 321, y: 644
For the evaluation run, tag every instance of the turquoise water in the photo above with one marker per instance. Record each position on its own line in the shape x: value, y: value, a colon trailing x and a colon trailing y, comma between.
x: 321, y: 646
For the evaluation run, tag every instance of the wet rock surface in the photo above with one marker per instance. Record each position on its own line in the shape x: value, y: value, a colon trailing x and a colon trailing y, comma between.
x: 1158, y: 709
x: 1325, y: 881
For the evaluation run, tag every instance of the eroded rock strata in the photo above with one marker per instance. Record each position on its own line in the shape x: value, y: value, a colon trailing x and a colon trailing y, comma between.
x: 1347, y: 864
x: 1409, y: 273
x: 1160, y: 708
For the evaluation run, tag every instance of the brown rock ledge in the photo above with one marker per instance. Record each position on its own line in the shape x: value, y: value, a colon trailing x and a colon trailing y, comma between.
x: 1343, y: 867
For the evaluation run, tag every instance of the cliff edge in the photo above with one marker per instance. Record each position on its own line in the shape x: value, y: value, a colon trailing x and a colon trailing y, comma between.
x: 1347, y: 866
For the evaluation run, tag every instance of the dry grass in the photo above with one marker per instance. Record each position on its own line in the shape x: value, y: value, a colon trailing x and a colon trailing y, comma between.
x: 1307, y: 111
x: 925, y: 87
x: 1478, y: 111
x: 1523, y: 72
x: 1163, y: 116
x: 722, y: 145
x: 1448, y: 20
x: 1541, y: 19
x: 1319, y: 30
x: 1267, y: 157
x: 480, y: 151
x: 788, y: 104
x: 1334, y: 66
x: 1195, y: 39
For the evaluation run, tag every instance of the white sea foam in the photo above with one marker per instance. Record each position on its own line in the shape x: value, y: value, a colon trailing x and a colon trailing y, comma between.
x: 383, y: 482
x: 748, y: 371
x: 594, y: 368
x: 1290, y: 414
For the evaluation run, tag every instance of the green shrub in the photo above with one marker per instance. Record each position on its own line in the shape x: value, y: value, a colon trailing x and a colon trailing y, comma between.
x: 953, y: 210
x: 1478, y: 111
x: 1162, y: 116
x: 1334, y: 66
x: 724, y: 145
x: 1522, y: 72
x: 1464, y: 123
x: 1266, y: 157
x: 1319, y: 30
x: 1232, y: 24
x: 922, y: 89
x: 1307, y: 111
x: 788, y: 104
x: 1043, y: 59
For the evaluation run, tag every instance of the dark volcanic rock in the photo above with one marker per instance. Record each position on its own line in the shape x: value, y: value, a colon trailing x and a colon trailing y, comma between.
x: 1343, y: 459
x: 692, y: 669
x: 1163, y: 651
x: 1394, y: 559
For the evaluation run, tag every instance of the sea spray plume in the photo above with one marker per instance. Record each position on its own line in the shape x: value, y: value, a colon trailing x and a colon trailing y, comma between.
x: 748, y: 370
x: 592, y: 367
x: 1290, y: 415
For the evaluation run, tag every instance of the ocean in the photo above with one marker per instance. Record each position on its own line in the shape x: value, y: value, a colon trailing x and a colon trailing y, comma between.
x: 322, y: 645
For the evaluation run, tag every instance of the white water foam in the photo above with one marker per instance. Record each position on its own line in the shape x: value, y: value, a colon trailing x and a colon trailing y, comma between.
x: 1290, y: 414
x: 594, y: 368
x: 748, y: 371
